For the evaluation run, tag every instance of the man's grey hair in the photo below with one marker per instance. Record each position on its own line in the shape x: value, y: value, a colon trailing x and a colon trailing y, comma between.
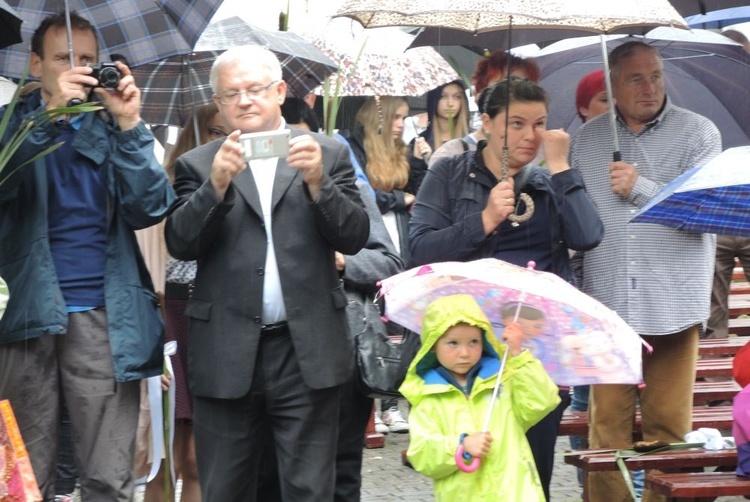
x: 259, y: 55
x: 626, y: 50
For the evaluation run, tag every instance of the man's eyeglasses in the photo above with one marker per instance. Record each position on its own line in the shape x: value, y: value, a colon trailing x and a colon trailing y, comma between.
x: 233, y: 97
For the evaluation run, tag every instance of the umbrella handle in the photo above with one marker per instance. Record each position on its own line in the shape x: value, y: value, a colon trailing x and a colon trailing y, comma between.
x: 461, y: 463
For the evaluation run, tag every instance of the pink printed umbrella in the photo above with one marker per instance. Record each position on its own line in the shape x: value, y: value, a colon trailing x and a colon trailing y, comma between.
x: 578, y: 340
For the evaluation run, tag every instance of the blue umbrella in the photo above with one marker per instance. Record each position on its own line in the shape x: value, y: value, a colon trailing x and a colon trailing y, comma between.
x: 719, y: 18
x: 712, y: 198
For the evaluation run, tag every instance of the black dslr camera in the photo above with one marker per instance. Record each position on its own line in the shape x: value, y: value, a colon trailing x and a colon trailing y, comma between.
x: 107, y: 74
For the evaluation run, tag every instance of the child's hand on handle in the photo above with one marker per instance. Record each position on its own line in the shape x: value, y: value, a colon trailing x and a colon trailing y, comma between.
x: 477, y: 444
x: 513, y: 336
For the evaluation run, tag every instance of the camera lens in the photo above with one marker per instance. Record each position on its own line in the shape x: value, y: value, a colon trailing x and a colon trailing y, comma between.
x: 109, y: 77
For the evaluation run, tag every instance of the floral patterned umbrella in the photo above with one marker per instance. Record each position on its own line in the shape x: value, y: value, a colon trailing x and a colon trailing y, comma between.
x: 578, y: 340
x: 481, y: 16
x: 375, y: 62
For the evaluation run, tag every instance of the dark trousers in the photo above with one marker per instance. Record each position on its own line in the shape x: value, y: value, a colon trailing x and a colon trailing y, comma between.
x: 230, y: 434
x: 65, y: 483
x: 542, y: 438
x: 353, y: 417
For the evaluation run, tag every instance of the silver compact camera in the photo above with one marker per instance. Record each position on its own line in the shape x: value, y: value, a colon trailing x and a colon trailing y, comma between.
x: 265, y: 145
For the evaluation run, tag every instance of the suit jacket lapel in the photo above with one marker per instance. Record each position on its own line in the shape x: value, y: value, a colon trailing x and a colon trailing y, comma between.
x: 245, y: 184
x: 283, y: 180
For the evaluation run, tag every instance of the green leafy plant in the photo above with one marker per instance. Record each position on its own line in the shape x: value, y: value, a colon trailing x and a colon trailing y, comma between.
x: 14, y: 142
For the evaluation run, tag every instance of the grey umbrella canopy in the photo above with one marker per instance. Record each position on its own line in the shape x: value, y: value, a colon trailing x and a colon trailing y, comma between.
x: 707, y: 78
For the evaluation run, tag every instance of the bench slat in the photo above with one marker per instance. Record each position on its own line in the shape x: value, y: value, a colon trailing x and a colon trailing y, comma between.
x: 710, y: 367
x: 671, y: 459
x: 725, y: 346
x: 705, y: 392
x: 698, y: 484
x: 716, y: 417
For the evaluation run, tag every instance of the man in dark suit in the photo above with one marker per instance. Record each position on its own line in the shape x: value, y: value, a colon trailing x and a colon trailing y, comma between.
x: 268, y: 337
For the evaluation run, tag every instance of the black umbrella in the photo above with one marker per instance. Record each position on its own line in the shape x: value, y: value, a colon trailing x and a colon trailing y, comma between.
x: 141, y: 31
x: 303, y: 64
x: 172, y: 87
x: 10, y: 25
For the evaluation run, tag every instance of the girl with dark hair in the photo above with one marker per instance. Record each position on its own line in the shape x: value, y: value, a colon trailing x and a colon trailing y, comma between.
x: 448, y: 118
x: 495, y: 202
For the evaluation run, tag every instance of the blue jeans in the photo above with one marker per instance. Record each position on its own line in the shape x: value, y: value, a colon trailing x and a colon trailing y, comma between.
x: 579, y: 402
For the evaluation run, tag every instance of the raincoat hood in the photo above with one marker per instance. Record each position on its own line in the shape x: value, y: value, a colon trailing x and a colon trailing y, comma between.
x: 441, y: 315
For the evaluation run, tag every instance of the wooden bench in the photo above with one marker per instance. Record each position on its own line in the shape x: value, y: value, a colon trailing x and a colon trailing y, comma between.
x: 706, y: 392
x: 696, y: 486
x: 740, y: 326
x: 692, y: 458
x: 739, y: 305
x: 724, y: 346
x: 713, y: 367
x: 576, y: 423
x: 738, y: 273
x: 739, y: 287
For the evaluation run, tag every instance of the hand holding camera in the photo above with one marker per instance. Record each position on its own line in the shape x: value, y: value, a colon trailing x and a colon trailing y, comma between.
x: 306, y: 156
x: 123, y: 100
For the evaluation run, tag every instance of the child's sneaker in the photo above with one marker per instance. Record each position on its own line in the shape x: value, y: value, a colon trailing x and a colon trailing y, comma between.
x: 379, y: 425
x: 395, y: 421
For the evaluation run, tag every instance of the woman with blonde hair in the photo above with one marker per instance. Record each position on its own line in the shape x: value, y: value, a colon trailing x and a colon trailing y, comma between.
x: 383, y: 152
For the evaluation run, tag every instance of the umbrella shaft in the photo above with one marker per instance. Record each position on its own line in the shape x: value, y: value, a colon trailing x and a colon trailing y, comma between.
x: 496, y: 390
x: 69, y: 32
x: 610, y: 100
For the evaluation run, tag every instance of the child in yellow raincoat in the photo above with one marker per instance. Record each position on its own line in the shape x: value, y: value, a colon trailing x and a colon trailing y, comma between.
x: 449, y: 385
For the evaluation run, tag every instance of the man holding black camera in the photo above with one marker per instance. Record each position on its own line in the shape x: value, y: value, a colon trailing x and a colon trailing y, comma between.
x: 83, y: 321
x: 269, y: 344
